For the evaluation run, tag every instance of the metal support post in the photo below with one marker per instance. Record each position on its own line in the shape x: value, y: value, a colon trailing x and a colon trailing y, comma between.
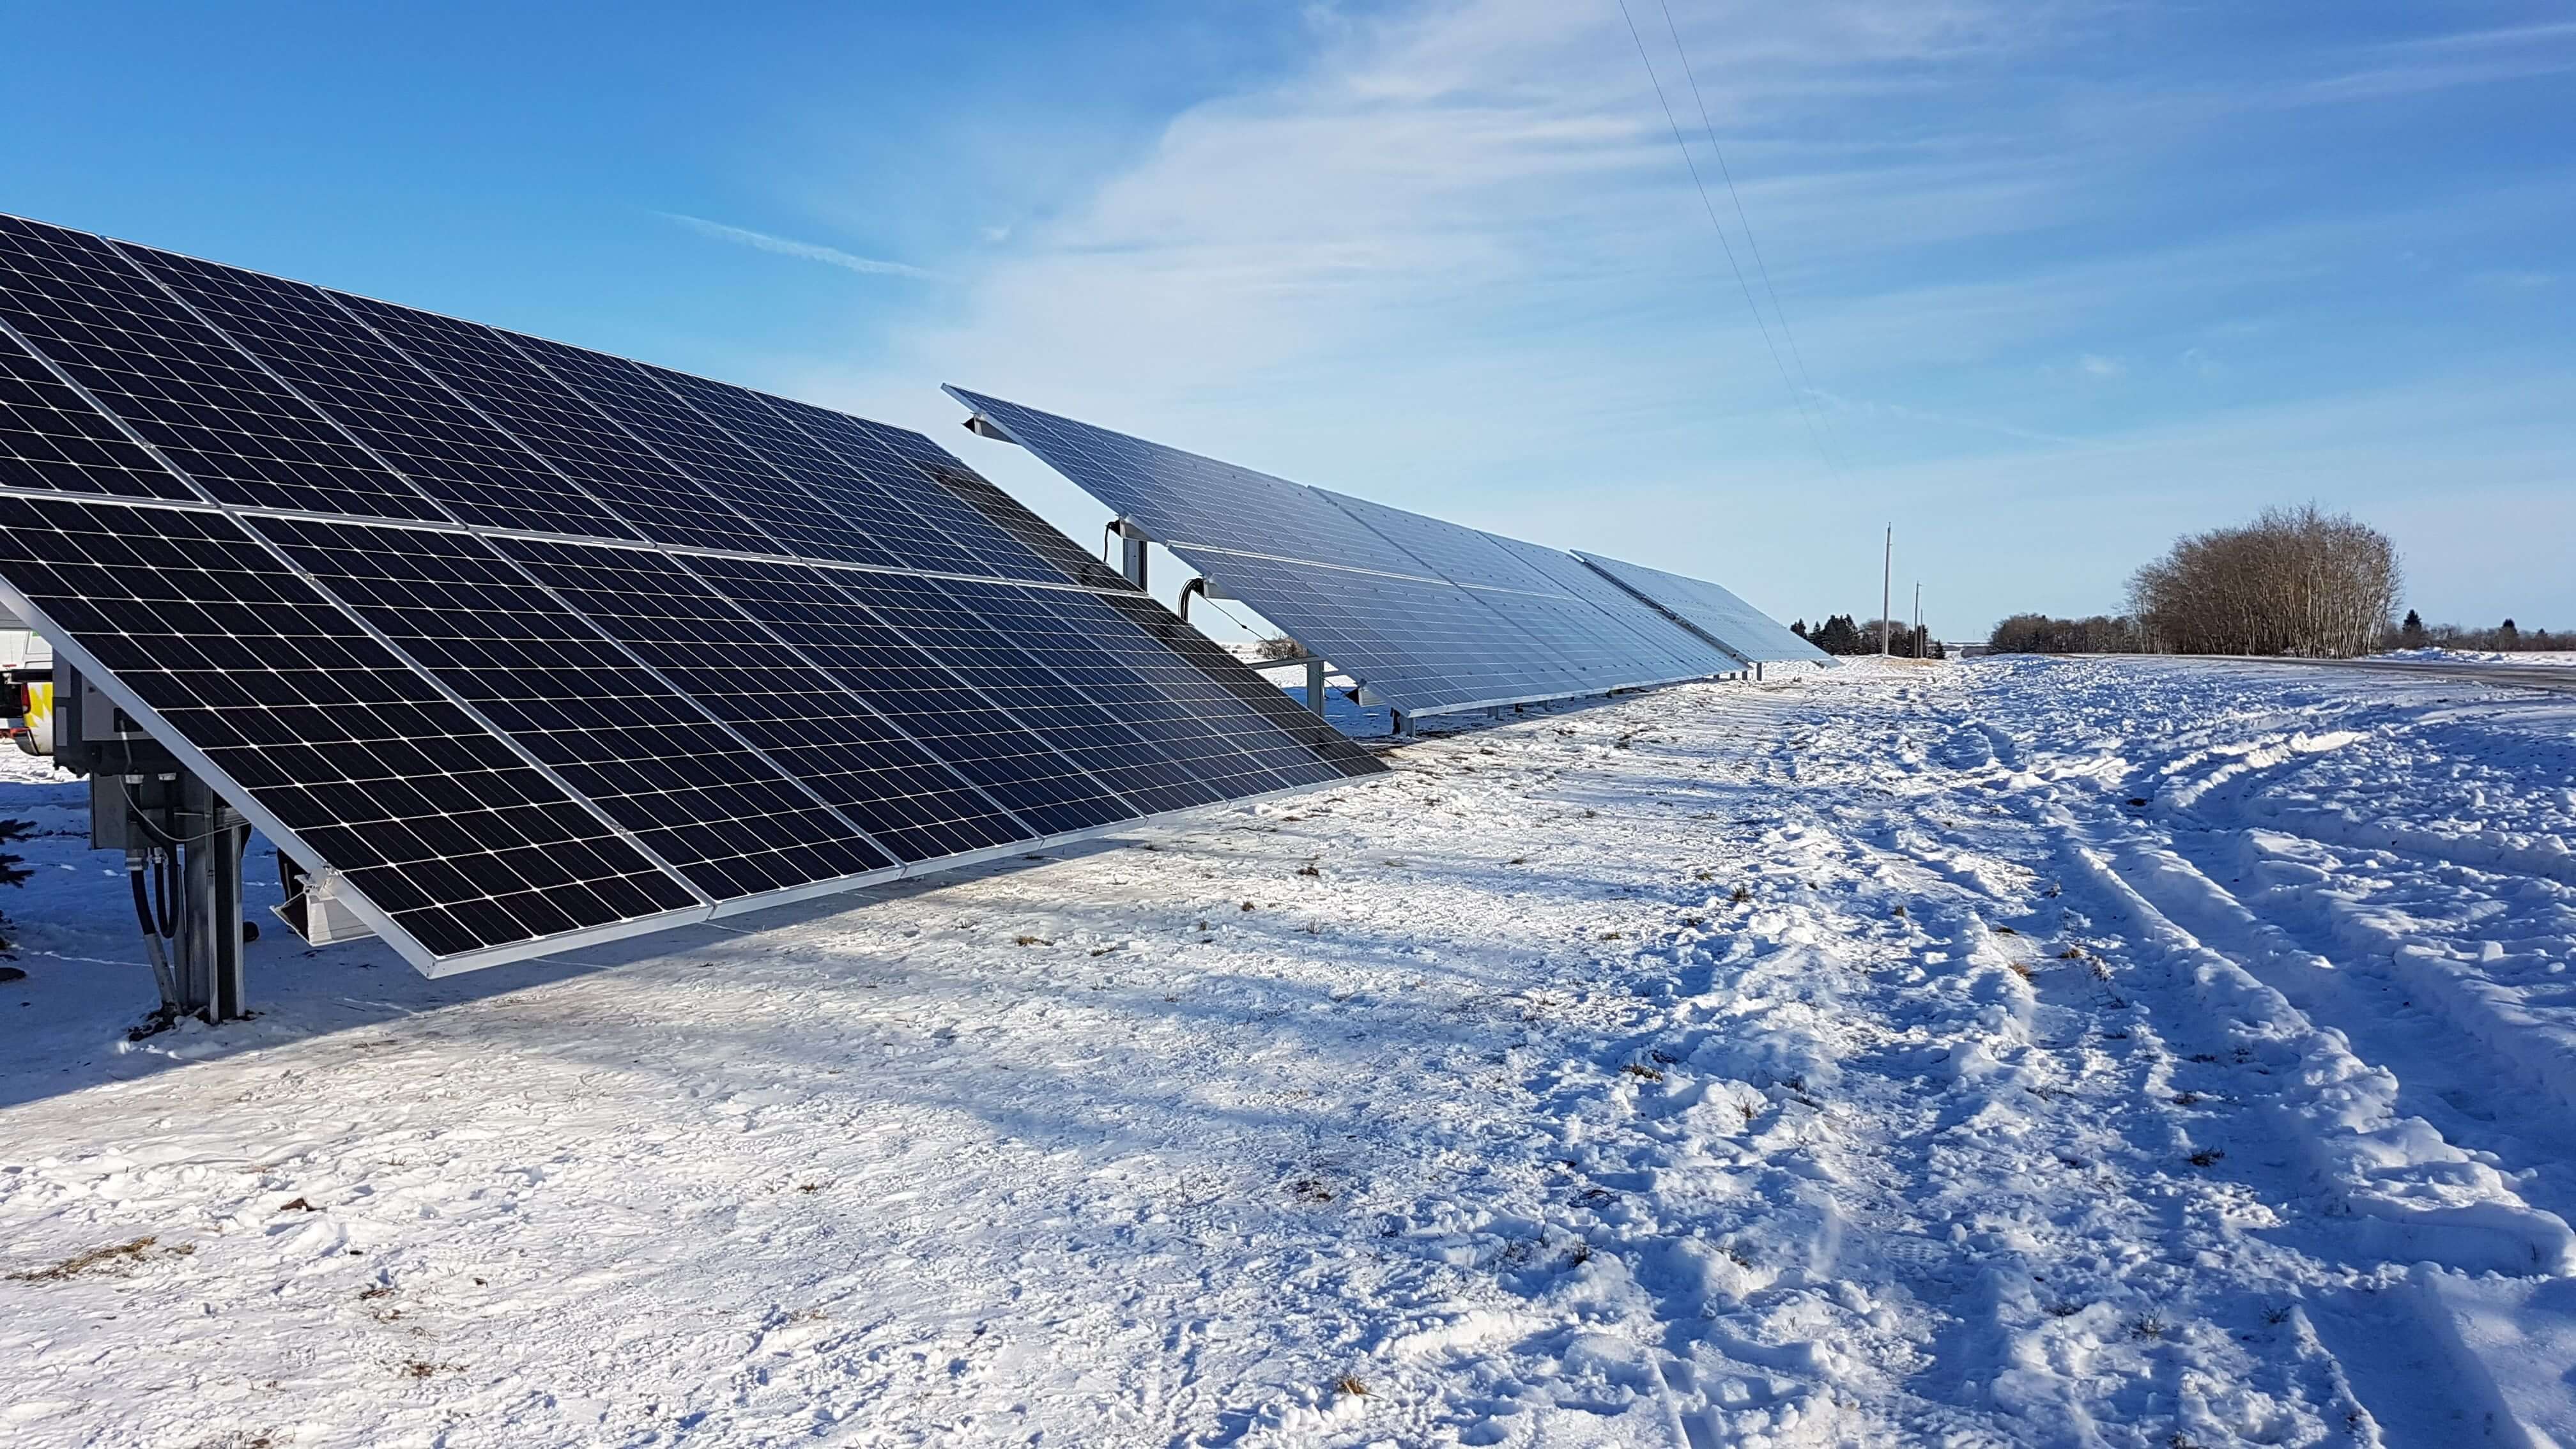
x: 1399, y: 724
x: 183, y: 847
x: 209, y: 965
x: 1131, y: 557
x: 1315, y: 686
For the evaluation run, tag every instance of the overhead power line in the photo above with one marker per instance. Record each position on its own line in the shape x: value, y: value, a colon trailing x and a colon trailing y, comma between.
x: 1797, y: 398
x: 1743, y: 219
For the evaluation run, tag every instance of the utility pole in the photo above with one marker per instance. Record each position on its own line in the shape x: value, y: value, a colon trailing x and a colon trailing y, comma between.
x: 1916, y: 642
x: 1886, y: 594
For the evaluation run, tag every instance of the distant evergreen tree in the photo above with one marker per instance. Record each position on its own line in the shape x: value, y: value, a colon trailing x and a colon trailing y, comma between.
x: 2508, y: 636
x: 1799, y: 628
x: 1840, y: 635
x: 2411, y: 633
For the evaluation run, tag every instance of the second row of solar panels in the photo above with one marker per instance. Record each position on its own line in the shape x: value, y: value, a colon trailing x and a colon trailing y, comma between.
x: 1429, y: 615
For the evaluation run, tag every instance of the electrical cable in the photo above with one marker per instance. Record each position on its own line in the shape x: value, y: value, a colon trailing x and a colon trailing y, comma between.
x: 1743, y: 218
x: 1796, y: 398
x: 162, y: 976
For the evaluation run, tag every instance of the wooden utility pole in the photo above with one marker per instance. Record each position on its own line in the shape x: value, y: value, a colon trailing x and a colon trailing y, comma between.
x: 1886, y: 593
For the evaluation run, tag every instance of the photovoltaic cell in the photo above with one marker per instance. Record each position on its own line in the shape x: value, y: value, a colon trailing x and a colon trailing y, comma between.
x: 1319, y: 751
x: 654, y: 759
x: 412, y: 421
x: 1421, y: 643
x: 1734, y: 625
x: 184, y: 388
x: 51, y: 438
x: 792, y: 519
x: 1190, y: 702
x: 1086, y: 650
x: 826, y: 615
x: 848, y: 520
x: 909, y: 802
x: 929, y: 528
x: 1662, y: 642
x: 991, y: 655
x: 577, y: 439
x: 430, y: 816
x: 1443, y: 549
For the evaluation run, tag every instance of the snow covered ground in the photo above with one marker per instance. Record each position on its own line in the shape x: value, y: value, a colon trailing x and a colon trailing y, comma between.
x: 2557, y: 657
x: 2131, y: 1053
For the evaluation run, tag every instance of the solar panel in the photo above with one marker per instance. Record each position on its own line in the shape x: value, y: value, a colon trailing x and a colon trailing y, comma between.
x: 1187, y: 502
x: 1428, y: 615
x: 523, y: 646
x: 1602, y: 648
x: 1685, y: 654
x: 780, y: 703
x: 51, y: 438
x: 325, y: 734
x: 1726, y: 620
x: 623, y: 735
x: 847, y: 623
x: 420, y: 428
x: 180, y: 386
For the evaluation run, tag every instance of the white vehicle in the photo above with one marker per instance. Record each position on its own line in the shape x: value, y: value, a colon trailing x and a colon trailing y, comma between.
x: 26, y: 686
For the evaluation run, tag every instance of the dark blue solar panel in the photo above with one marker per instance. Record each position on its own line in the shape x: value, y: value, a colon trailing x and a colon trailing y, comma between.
x: 989, y: 650
x: 930, y: 527
x: 1675, y: 652
x: 1736, y: 626
x: 909, y: 801
x: 1418, y: 643
x: 652, y: 757
x: 52, y: 439
x: 1183, y: 499
x: 827, y: 615
x: 462, y: 842
x: 522, y: 645
x: 575, y: 438
x: 182, y: 386
x: 1428, y: 615
x: 409, y: 419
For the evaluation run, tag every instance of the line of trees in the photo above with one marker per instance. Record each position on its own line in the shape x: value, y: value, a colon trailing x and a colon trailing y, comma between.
x: 1842, y: 634
x: 2505, y: 638
x: 2295, y: 581
x: 2040, y: 634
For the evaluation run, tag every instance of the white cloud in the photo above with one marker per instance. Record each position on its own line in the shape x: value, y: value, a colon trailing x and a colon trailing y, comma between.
x: 789, y: 247
x: 1453, y: 261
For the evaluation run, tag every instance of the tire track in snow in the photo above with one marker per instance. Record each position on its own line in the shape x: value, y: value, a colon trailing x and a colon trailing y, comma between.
x: 2406, y: 1327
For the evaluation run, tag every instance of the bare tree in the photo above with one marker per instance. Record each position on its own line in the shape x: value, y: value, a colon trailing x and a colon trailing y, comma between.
x: 2294, y: 581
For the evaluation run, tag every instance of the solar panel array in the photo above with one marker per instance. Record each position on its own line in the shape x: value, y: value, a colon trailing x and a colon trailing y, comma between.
x: 1429, y: 615
x: 531, y: 646
x: 1714, y: 613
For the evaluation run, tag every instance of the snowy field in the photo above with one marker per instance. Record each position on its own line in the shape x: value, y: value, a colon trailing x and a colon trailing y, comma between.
x: 2554, y: 657
x: 2128, y: 1053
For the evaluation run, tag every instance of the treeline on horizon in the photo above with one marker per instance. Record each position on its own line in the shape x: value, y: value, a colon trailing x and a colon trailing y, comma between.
x: 1842, y: 634
x: 2298, y: 582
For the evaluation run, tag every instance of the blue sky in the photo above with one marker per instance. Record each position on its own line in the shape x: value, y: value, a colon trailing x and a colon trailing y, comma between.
x: 2061, y: 280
